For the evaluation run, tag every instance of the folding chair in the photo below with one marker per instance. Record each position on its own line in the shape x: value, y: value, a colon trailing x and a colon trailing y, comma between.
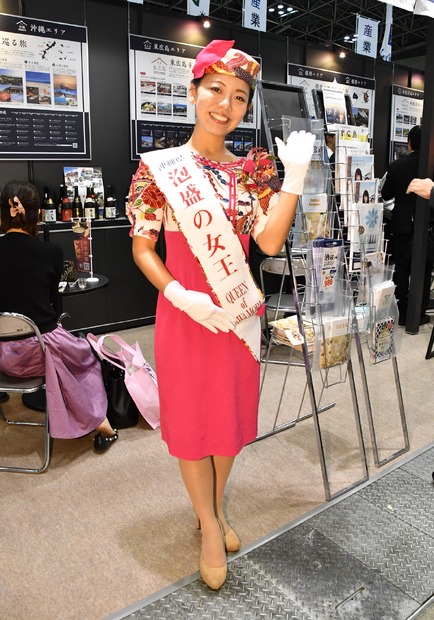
x: 16, y: 327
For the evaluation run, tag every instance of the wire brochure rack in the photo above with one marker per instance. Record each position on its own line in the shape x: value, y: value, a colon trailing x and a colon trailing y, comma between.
x: 331, y: 309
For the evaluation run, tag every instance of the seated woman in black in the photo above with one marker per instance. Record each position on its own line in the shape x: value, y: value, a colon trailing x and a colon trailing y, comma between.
x: 29, y: 279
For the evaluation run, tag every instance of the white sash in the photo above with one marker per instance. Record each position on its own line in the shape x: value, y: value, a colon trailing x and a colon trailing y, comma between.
x: 211, y: 237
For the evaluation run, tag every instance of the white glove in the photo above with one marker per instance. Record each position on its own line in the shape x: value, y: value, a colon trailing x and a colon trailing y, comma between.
x: 200, y: 307
x: 295, y: 156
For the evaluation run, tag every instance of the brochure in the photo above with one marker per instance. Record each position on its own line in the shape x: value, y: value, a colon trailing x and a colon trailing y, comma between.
x: 382, y: 339
x: 335, y: 344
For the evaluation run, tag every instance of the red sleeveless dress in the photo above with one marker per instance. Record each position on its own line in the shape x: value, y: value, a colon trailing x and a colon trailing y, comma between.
x: 208, y: 383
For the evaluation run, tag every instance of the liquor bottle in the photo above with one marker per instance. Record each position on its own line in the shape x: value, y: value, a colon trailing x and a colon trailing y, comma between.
x: 89, y: 205
x: 100, y: 207
x: 110, y: 204
x: 59, y: 203
x: 77, y: 207
x: 48, y: 209
x: 66, y: 207
x: 115, y: 201
x: 42, y: 209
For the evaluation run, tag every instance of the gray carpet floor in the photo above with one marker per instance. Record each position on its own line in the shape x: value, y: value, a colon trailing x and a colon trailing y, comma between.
x: 95, y: 533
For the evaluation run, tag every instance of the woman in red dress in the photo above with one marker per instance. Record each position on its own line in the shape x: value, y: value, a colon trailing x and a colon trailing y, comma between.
x: 207, y: 330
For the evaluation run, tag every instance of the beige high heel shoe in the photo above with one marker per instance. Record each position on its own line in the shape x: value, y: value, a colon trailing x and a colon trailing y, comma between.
x: 232, y: 542
x: 214, y: 577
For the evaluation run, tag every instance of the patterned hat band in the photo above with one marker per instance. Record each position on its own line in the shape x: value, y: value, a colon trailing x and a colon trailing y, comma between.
x: 220, y: 57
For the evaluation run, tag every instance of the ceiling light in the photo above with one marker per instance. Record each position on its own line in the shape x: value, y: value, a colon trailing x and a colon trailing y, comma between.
x: 206, y: 23
x: 280, y: 6
x: 342, y: 54
x: 271, y: 10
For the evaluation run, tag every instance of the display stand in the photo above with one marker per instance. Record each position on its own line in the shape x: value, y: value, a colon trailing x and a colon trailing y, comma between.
x: 82, y: 227
x: 376, y: 309
x: 312, y: 326
x: 305, y: 289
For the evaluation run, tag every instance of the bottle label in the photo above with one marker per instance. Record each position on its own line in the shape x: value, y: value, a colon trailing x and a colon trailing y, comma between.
x: 110, y: 213
x: 66, y: 215
x: 89, y: 212
x: 50, y: 215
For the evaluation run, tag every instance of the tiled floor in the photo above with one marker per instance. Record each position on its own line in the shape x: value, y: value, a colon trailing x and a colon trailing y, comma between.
x: 368, y: 556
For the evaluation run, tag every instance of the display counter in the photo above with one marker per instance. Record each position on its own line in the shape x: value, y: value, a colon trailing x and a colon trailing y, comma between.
x: 129, y: 300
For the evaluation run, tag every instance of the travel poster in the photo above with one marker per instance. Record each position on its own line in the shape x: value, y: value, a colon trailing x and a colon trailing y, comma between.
x: 44, y: 89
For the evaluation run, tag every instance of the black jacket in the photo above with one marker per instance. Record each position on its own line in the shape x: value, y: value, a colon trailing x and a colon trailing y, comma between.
x: 400, y: 173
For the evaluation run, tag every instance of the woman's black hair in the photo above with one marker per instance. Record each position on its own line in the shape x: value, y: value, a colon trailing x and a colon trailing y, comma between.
x: 28, y: 196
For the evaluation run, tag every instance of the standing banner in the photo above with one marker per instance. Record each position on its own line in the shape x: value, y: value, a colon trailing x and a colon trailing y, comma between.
x: 198, y: 7
x: 386, y: 46
x: 408, y: 5
x: 424, y: 7
x: 44, y: 90
x: 255, y: 14
x: 367, y: 36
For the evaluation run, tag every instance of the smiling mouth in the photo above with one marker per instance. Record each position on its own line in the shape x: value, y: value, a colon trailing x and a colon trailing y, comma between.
x: 219, y: 117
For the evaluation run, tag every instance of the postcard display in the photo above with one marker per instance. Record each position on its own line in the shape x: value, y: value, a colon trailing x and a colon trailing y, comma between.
x: 160, y: 73
x: 44, y: 90
x: 367, y: 260
x: 337, y: 303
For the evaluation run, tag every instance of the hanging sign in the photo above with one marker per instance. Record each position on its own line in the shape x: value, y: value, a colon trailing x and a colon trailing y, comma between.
x: 367, y: 36
x: 408, y: 5
x: 197, y: 7
x: 255, y: 15
x: 386, y: 46
x: 424, y: 7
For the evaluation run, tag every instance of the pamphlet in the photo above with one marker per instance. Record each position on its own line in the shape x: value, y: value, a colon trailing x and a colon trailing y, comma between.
x: 335, y: 344
x: 327, y: 262
x: 311, y: 220
x: 286, y: 331
x: 382, y: 297
x: 382, y: 339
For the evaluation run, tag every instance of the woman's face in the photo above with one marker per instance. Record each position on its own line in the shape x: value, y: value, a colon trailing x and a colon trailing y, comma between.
x: 221, y: 102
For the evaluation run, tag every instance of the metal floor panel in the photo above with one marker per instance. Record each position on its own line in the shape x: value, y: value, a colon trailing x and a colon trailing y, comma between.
x: 365, y: 556
x: 400, y: 553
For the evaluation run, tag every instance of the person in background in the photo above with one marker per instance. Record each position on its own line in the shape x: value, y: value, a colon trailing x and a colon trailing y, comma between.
x: 425, y: 189
x: 29, y: 280
x: 389, y: 204
x: 207, y: 330
x: 330, y: 142
x: 399, y: 175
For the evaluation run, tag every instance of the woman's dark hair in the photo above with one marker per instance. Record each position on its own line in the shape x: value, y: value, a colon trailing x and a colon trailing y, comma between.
x: 196, y: 82
x: 29, y: 198
x: 358, y: 173
x: 366, y: 195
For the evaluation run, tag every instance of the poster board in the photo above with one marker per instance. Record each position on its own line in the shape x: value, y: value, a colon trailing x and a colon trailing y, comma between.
x: 161, y: 114
x: 360, y: 91
x: 44, y: 90
x: 407, y: 109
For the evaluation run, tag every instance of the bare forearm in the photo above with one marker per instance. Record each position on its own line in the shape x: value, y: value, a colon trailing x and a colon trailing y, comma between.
x: 276, y: 231
x: 151, y: 265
